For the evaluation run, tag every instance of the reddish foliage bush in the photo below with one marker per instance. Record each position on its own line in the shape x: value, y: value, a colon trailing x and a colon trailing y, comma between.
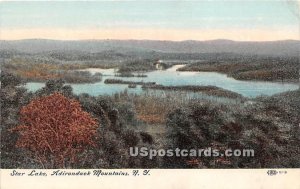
x: 55, y: 129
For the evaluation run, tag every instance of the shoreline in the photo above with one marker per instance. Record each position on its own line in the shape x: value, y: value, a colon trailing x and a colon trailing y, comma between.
x: 278, y: 81
x: 208, y: 90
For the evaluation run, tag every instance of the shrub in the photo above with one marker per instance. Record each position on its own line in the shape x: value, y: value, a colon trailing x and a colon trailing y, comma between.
x: 55, y: 130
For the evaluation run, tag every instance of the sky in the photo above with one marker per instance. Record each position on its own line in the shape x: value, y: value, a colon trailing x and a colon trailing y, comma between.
x: 152, y: 20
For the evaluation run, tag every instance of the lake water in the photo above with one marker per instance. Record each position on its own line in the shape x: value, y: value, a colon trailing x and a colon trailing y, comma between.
x: 173, y: 77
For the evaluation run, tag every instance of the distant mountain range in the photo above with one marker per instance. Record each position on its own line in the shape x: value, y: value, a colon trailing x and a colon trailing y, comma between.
x: 285, y: 47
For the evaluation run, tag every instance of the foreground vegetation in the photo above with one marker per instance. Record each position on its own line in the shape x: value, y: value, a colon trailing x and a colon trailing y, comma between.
x: 269, y: 125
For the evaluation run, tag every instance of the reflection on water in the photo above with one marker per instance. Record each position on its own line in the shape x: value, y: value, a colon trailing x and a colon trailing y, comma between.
x: 173, y: 77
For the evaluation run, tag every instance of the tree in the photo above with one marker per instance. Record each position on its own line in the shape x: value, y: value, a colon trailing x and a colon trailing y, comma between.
x: 52, y: 86
x: 9, y: 80
x: 55, y: 130
x: 12, y: 97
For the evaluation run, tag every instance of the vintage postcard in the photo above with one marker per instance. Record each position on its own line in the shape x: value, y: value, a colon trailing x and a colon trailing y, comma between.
x: 140, y: 92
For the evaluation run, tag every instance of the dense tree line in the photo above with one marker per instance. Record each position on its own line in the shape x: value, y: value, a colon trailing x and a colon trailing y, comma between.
x: 251, y: 68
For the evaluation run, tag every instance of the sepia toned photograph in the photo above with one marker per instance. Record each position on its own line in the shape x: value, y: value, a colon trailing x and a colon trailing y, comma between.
x: 149, y: 85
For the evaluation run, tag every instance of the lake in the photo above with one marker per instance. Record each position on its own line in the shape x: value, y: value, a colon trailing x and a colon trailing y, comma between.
x: 173, y: 77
